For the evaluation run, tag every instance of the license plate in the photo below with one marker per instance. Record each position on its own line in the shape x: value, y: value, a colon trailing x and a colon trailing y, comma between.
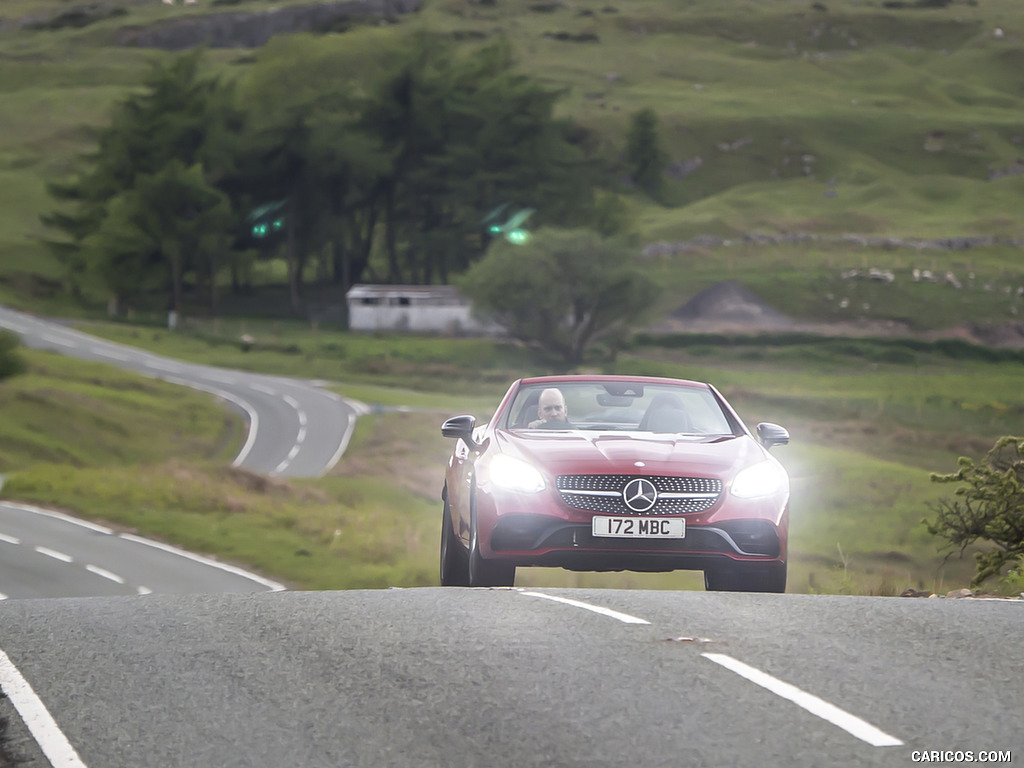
x: 639, y: 527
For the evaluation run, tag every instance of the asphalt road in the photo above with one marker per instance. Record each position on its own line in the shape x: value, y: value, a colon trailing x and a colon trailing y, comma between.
x: 459, y: 677
x: 295, y: 429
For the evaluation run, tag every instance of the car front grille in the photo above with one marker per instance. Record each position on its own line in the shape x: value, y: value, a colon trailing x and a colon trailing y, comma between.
x: 603, y: 493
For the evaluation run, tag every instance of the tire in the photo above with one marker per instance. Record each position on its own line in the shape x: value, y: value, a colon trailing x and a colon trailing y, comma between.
x: 757, y: 578
x: 486, y: 573
x: 454, y: 560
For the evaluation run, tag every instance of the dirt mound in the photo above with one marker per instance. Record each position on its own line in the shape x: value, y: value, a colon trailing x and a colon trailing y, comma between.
x: 729, y: 303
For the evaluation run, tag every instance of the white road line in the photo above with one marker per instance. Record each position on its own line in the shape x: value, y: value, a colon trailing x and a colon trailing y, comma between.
x: 273, y: 586
x: 41, y: 725
x: 60, y: 516
x: 104, y: 573
x: 3, y: 596
x: 112, y: 355
x: 55, y: 554
x: 302, y: 418
x: 54, y: 340
x: 625, y: 618
x: 819, y: 707
x: 345, y: 438
x: 254, y: 419
x: 9, y: 539
x: 300, y: 438
x: 264, y: 390
x: 292, y: 402
x: 144, y: 591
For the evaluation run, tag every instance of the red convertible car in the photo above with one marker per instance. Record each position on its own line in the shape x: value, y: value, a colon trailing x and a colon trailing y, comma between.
x: 611, y: 473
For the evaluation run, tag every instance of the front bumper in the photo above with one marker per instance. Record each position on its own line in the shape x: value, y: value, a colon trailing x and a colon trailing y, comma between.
x: 548, y: 541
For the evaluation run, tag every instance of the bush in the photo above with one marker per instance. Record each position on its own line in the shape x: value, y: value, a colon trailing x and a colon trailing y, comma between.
x: 989, y: 506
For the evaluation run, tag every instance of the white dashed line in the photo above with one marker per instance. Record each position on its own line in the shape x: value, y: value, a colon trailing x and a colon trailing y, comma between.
x: 144, y: 591
x: 40, y: 722
x: 104, y: 573
x: 625, y: 618
x: 55, y: 554
x: 264, y: 390
x: 301, y: 436
x: 3, y: 596
x: 9, y: 539
x: 292, y: 402
x: 818, y: 707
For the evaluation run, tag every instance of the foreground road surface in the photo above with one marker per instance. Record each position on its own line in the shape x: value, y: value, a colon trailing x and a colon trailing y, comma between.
x: 459, y: 677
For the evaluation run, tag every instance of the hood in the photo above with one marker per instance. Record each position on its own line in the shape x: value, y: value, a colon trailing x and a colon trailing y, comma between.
x: 616, y: 453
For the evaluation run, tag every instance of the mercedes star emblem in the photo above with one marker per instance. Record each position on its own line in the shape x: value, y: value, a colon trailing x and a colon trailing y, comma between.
x: 640, y: 494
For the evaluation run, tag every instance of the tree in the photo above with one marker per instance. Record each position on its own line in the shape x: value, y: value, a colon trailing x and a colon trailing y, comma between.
x: 989, y: 506
x: 178, y: 117
x: 565, y: 290
x: 646, y: 157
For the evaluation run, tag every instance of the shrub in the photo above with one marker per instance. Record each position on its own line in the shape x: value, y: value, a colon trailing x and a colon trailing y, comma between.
x: 989, y: 506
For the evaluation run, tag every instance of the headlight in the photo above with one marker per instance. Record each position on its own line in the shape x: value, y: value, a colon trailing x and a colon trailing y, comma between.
x: 762, y: 479
x: 515, y: 475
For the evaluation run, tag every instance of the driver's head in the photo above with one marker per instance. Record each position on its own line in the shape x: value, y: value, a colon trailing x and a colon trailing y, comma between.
x: 551, y: 406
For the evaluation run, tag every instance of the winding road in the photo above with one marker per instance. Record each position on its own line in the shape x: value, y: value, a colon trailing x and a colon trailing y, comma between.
x: 295, y: 429
x: 202, y: 665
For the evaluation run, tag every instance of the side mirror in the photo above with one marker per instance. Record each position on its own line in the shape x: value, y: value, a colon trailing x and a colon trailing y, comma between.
x: 461, y: 427
x: 771, y: 434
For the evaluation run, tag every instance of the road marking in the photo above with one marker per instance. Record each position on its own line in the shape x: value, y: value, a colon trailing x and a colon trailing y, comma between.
x: 819, y: 707
x: 345, y: 438
x: 292, y: 402
x: 104, y: 573
x: 112, y: 355
x: 264, y: 390
x: 254, y: 419
x: 302, y: 418
x: 9, y: 539
x: 3, y: 596
x: 55, y: 554
x: 273, y: 586
x: 625, y: 618
x: 144, y: 591
x: 54, y: 340
x: 302, y: 431
x: 60, y: 516
x: 41, y: 725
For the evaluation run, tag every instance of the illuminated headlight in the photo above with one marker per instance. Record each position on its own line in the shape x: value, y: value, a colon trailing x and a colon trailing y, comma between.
x: 515, y: 475
x: 762, y: 479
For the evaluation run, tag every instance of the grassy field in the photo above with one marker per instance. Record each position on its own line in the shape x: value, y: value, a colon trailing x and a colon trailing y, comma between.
x: 782, y: 116
x: 826, y: 118
x: 866, y: 436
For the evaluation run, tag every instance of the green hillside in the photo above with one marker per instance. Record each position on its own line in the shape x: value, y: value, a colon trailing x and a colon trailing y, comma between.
x: 778, y: 116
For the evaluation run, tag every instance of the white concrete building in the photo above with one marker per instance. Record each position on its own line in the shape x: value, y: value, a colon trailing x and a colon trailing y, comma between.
x: 413, y: 308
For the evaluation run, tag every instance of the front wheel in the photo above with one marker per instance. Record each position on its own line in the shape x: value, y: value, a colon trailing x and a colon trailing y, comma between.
x: 487, y: 573
x: 746, y: 578
x: 454, y: 561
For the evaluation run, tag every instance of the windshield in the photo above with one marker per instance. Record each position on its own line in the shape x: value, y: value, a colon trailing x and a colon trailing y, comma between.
x: 619, y: 406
